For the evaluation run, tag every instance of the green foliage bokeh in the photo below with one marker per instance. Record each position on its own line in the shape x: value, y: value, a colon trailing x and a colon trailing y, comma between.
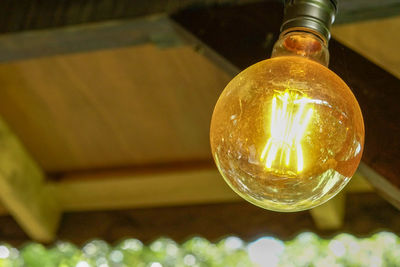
x: 307, y: 249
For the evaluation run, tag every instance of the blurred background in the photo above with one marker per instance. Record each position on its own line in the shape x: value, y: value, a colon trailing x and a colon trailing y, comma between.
x: 105, y: 109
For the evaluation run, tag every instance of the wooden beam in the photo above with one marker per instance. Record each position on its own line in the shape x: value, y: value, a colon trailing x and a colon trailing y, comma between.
x: 124, y: 189
x: 159, y: 30
x: 110, y: 23
x: 23, y: 191
x: 89, y: 37
x: 361, y: 10
x: 359, y: 184
x: 111, y: 190
x: 382, y: 127
x: 38, y: 14
x: 329, y: 216
x: 376, y: 40
x: 390, y: 192
x: 27, y: 15
x: 203, y: 49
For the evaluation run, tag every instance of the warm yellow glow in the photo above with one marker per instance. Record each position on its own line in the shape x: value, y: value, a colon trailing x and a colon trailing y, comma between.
x: 287, y: 134
x: 290, y: 115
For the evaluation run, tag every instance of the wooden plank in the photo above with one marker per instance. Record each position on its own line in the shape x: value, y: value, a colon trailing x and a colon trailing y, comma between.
x: 361, y: 10
x: 203, y: 49
x: 390, y: 191
x: 111, y: 190
x: 38, y: 14
x: 376, y: 40
x: 26, y: 15
x: 89, y: 37
x: 359, y: 183
x: 108, y: 190
x: 111, y: 108
x: 379, y: 106
x: 235, y: 32
x: 126, y: 189
x: 22, y: 189
x: 330, y: 215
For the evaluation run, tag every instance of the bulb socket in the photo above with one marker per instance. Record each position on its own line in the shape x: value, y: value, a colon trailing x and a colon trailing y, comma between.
x: 316, y: 15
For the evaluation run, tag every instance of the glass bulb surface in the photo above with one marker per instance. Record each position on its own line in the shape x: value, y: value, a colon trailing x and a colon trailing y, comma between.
x: 287, y: 134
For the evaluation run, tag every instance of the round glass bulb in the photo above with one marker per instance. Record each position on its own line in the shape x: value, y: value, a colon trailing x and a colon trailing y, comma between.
x: 287, y: 134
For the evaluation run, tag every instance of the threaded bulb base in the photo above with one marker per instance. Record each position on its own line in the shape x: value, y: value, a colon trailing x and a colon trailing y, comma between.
x: 316, y: 15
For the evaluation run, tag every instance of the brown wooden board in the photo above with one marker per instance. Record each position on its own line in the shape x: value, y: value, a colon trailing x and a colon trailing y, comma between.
x: 23, y: 189
x: 376, y: 40
x: 157, y: 30
x: 24, y: 15
x: 108, y: 108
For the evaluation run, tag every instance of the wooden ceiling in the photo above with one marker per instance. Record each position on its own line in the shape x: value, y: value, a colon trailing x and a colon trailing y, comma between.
x: 89, y: 100
x: 377, y: 40
x: 112, y: 108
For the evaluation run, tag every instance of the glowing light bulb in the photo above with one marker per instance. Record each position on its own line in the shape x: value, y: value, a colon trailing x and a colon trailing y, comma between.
x: 287, y: 133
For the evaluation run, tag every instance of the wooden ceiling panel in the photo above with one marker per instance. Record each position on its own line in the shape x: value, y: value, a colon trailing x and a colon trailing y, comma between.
x: 109, y: 108
x: 376, y: 40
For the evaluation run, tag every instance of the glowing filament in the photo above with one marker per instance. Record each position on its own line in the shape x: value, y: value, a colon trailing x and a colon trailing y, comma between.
x: 289, y: 119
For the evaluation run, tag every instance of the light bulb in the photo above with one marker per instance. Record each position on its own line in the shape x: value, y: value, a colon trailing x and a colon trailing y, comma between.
x: 287, y: 133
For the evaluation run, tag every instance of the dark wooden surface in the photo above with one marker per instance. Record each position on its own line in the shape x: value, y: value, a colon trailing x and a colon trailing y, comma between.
x: 357, y: 10
x: 156, y: 30
x: 23, y: 15
x: 366, y: 214
x: 245, y: 35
